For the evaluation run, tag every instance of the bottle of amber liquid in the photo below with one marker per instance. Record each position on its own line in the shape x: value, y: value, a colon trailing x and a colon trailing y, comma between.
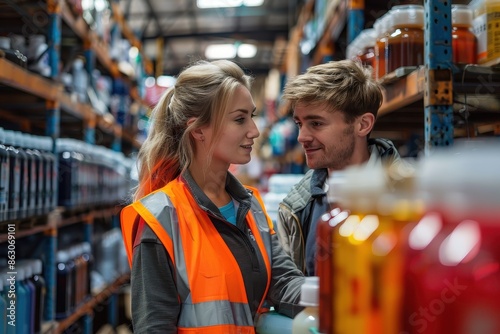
x: 367, y: 45
x: 327, y: 227
x: 405, y: 44
x: 381, y: 27
x: 464, y: 42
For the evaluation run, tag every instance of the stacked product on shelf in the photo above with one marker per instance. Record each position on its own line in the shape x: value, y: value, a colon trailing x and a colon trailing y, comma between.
x: 91, y: 175
x: 110, y: 259
x: 73, y: 275
x: 28, y: 176
x: 486, y: 28
x: 28, y: 289
x: 40, y: 173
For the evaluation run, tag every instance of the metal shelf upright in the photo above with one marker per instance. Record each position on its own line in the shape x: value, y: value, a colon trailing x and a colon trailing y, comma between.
x: 52, y: 130
x: 438, y: 87
x: 355, y: 19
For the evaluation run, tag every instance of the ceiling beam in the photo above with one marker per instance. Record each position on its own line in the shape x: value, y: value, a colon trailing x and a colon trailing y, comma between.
x: 261, y: 35
x: 154, y: 15
x: 126, y: 13
x: 217, y: 12
x: 253, y: 70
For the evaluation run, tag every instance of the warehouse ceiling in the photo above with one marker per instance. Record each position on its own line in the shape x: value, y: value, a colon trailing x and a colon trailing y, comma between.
x: 177, y: 32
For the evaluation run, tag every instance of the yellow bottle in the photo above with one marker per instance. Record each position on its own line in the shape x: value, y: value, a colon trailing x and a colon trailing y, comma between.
x: 486, y: 26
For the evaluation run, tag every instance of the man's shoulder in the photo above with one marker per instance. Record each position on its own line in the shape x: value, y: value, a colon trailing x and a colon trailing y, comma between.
x: 385, y: 148
x: 299, y: 195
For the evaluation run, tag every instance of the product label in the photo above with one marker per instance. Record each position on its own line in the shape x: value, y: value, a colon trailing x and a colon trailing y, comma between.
x: 493, y: 33
x: 487, y: 30
x: 479, y: 26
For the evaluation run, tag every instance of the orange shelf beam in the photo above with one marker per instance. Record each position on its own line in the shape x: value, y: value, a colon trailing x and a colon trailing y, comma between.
x: 15, y: 76
x: 403, y: 92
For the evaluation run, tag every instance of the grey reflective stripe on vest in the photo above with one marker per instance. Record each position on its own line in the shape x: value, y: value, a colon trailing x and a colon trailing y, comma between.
x: 261, y: 220
x: 161, y: 207
x: 218, y: 312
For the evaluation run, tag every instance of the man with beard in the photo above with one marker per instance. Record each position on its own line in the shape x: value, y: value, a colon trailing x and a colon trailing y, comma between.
x: 335, y: 107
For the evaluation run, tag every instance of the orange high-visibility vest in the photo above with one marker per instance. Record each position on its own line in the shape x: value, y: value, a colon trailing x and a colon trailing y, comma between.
x: 209, y: 281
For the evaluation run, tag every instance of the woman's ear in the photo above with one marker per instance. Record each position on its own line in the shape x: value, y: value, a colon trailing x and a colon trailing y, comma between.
x: 196, y: 133
x: 365, y: 124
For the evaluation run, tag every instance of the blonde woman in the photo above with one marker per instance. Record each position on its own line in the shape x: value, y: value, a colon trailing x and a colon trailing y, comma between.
x: 204, y: 255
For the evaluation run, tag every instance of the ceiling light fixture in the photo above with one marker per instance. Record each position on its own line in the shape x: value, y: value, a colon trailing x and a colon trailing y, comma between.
x: 247, y: 50
x: 220, y: 51
x: 228, y: 3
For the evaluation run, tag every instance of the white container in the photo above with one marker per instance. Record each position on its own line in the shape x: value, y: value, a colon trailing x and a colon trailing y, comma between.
x: 307, y: 321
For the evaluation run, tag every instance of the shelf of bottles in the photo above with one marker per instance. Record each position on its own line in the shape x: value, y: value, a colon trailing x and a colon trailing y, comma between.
x: 65, y: 123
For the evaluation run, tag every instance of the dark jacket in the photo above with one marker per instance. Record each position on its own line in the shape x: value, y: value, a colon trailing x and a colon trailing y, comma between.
x: 300, y: 210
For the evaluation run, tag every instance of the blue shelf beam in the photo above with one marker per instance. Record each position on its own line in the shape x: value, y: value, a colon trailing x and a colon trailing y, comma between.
x: 438, y: 88
x: 355, y: 19
x: 54, y: 36
x: 49, y: 262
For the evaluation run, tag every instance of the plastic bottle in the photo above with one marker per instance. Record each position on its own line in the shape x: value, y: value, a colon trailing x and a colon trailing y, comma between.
x: 18, y: 42
x: 10, y: 53
x: 24, y: 161
x: 70, y: 162
x: 64, y: 277
x: 486, y: 28
x: 37, y: 177
x: 78, y: 278
x: 32, y: 159
x: 367, y: 48
x: 89, y: 261
x: 464, y: 42
x: 22, y: 296
x: 43, y: 175
x: 3, y: 309
x: 31, y: 291
x: 307, y: 321
x: 14, y: 176
x: 452, y: 272
x: 405, y: 44
x: 41, y: 289
x: 326, y: 248
x: 366, y: 263
x: 8, y: 297
x: 4, y: 178
x: 80, y: 80
x: 51, y: 176
x: 38, y: 55
x: 381, y: 26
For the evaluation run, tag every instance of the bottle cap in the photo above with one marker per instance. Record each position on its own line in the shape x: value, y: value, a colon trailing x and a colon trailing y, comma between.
x: 21, y: 274
x: 407, y: 16
x: 37, y: 267
x: 62, y: 256
x: 461, y: 15
x: 382, y: 24
x: 309, y: 293
x: 463, y: 178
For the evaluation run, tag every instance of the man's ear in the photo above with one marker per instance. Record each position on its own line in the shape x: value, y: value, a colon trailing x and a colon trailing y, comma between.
x: 365, y: 124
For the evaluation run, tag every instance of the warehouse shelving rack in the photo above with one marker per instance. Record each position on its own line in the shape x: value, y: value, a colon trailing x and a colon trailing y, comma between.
x: 438, y: 100
x: 39, y: 105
